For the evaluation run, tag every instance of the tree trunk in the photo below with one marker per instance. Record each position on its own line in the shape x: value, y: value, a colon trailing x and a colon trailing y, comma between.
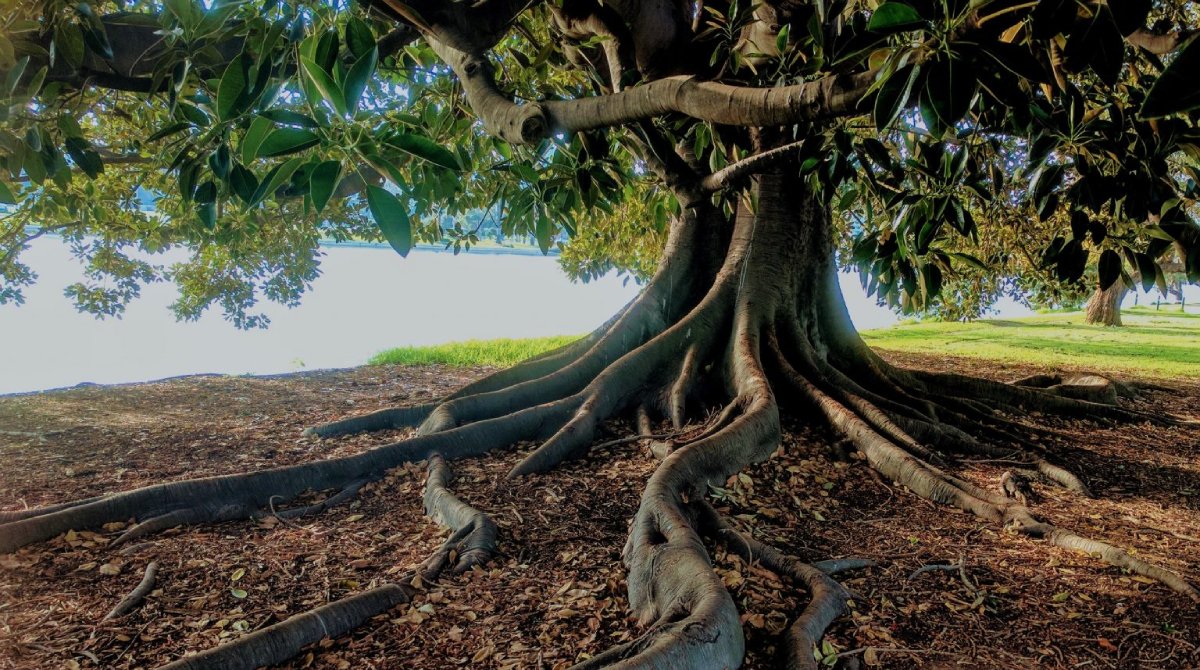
x: 743, y: 320
x: 1104, y: 307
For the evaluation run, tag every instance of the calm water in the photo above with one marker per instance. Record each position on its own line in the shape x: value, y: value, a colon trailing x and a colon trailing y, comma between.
x: 367, y: 299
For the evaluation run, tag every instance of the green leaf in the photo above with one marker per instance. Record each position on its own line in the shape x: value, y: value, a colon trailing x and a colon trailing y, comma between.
x: 207, y: 192
x: 1110, y: 268
x: 544, y: 233
x: 207, y: 212
x: 283, y: 141
x: 1096, y: 43
x: 6, y: 195
x: 237, y: 593
x: 169, y: 131
x: 894, y: 95
x: 893, y: 17
x: 323, y: 182
x: 81, y: 152
x: 324, y: 84
x: 1175, y: 91
x: 243, y: 182
x: 275, y: 179
x: 289, y: 118
x: 259, y: 128
x: 359, y: 38
x: 949, y: 88
x: 425, y: 148
x: 1147, y: 268
x: 231, y: 92
x: 357, y: 78
x: 392, y: 219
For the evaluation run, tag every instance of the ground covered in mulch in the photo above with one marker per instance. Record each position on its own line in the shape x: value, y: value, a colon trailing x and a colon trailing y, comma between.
x: 557, y: 592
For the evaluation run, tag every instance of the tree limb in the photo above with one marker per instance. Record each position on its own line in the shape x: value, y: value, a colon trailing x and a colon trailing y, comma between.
x: 829, y: 97
x: 748, y: 166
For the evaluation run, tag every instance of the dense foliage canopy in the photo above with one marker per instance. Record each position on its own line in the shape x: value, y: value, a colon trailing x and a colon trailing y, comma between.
x: 977, y: 141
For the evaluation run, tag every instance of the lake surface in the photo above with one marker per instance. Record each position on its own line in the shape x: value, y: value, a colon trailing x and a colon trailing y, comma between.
x: 366, y: 300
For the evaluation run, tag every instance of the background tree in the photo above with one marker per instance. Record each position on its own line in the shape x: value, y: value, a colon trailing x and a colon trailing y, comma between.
x: 759, y: 133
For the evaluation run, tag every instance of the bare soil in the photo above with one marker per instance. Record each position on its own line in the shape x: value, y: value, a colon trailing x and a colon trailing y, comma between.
x: 557, y: 593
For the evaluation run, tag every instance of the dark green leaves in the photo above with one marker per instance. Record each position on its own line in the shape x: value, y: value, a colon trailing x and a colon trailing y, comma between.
x: 1110, y: 268
x: 283, y: 141
x: 894, y: 94
x: 391, y: 217
x: 275, y: 179
x: 949, y: 88
x: 94, y: 34
x: 358, y: 37
x: 324, y: 85
x: 232, y: 91
x: 1071, y: 261
x: 323, y: 182
x: 6, y: 195
x: 84, y: 156
x: 892, y: 17
x: 1177, y: 89
x: 1147, y: 268
x: 358, y: 76
x: 169, y: 130
x: 1097, y: 43
x: 424, y: 148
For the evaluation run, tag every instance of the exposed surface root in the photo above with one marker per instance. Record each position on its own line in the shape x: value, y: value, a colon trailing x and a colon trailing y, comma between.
x: 276, y: 644
x: 384, y: 419
x: 344, y: 496
x: 18, y: 515
x: 239, y: 496
x: 828, y: 600
x: 474, y: 539
x: 135, y: 596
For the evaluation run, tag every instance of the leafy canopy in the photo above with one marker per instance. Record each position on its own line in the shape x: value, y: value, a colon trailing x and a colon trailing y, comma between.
x: 1034, y: 140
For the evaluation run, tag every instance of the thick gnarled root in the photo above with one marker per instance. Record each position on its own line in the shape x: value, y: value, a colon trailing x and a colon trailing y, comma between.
x: 894, y: 457
x: 473, y: 541
x: 275, y: 644
x: 241, y: 496
x: 828, y: 600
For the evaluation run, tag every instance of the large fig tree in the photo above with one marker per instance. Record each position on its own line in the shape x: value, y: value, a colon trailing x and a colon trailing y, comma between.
x: 746, y: 140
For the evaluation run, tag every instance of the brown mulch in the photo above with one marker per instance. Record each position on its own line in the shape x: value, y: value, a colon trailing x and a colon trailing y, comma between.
x: 557, y: 591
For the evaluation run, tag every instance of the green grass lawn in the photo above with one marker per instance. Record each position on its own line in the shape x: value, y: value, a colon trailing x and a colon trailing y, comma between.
x: 1152, y: 343
x: 1157, y: 343
x: 499, y: 352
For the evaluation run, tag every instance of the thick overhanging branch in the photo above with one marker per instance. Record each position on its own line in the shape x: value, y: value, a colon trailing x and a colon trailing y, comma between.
x: 829, y: 97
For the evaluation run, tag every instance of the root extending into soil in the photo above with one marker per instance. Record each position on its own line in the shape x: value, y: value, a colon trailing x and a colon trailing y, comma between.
x: 829, y: 598
x: 742, y: 321
x: 129, y: 602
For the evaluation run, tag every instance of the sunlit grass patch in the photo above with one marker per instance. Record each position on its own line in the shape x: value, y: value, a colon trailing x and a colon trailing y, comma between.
x: 1162, y: 343
x: 498, y: 352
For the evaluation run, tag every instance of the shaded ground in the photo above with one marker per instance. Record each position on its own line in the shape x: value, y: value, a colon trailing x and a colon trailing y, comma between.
x: 557, y: 591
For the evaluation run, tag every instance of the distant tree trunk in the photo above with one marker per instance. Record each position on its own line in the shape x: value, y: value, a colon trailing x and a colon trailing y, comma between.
x: 1104, y: 307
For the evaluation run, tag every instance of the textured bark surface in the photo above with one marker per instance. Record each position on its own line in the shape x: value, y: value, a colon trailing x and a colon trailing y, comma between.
x: 1104, y: 307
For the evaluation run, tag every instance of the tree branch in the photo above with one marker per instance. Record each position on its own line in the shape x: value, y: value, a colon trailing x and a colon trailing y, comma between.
x: 748, y: 166
x: 829, y: 97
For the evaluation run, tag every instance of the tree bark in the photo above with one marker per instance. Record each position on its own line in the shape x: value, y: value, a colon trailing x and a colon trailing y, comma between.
x: 1104, y: 307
